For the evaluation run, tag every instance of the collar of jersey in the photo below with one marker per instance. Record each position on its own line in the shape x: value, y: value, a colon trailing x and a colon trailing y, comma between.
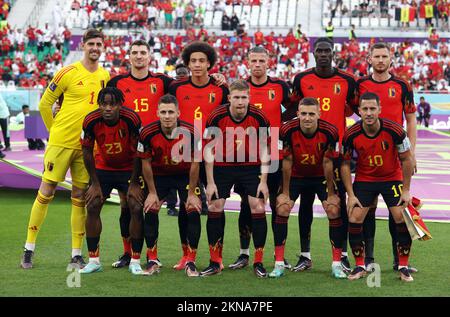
x: 377, y: 134
x: 381, y: 82
x: 140, y: 79
x: 231, y: 117
x: 196, y: 86
x: 260, y: 85
x: 335, y: 71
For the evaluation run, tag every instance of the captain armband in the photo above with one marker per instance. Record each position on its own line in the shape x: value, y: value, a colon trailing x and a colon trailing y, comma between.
x: 404, y: 146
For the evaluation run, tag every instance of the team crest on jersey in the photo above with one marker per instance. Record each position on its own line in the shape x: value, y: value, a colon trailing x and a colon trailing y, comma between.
x: 271, y: 94
x: 122, y: 133
x: 337, y: 88
x: 212, y: 97
x: 320, y: 146
x: 153, y: 88
x: 49, y: 166
x: 385, y: 145
x: 392, y: 92
x: 102, y: 83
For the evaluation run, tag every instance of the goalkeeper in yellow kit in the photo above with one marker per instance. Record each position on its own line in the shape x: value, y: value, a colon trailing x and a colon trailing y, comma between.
x: 76, y: 87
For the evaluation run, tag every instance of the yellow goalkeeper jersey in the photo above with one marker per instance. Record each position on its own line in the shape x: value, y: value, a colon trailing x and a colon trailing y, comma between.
x: 77, y: 90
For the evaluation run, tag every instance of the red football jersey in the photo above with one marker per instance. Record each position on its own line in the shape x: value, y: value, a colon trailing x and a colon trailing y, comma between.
x: 377, y: 156
x: 240, y: 143
x: 270, y: 97
x: 396, y: 96
x: 115, y: 145
x: 197, y: 102
x: 333, y: 93
x: 142, y: 95
x: 308, y: 151
x: 154, y: 144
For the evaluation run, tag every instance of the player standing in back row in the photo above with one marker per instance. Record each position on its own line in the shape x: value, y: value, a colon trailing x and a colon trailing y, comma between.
x: 397, y: 102
x: 269, y: 94
x: 76, y: 87
x: 334, y: 89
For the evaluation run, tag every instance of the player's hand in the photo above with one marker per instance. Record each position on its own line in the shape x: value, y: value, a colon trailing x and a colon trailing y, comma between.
x: 405, y: 199
x: 55, y: 109
x: 135, y: 192
x: 352, y: 202
x: 219, y: 79
x: 193, y: 203
x: 211, y: 189
x: 332, y: 200
x: 264, y: 190
x: 284, y: 199
x: 93, y: 192
x: 414, y: 161
x: 151, y: 203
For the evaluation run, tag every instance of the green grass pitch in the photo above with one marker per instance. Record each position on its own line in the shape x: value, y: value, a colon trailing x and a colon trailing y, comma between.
x: 49, y: 275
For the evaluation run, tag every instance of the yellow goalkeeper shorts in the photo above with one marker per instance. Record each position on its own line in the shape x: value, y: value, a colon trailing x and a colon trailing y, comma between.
x: 57, y: 160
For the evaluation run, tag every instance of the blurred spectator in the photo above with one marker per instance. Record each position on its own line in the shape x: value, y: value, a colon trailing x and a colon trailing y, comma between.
x: 33, y: 144
x: 424, y: 112
x: 4, y: 117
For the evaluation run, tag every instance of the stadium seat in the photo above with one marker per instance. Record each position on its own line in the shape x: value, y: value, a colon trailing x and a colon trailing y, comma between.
x: 282, y: 12
x: 384, y: 22
x: 365, y: 22
x: 217, y: 21
x: 208, y: 18
x: 263, y: 16
x: 229, y: 10
x: 11, y: 85
x: 254, y: 17
x: 238, y: 10
x: 374, y: 22
x: 345, y: 22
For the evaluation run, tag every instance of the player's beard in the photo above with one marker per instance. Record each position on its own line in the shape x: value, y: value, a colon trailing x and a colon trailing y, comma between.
x: 96, y: 58
x: 380, y: 70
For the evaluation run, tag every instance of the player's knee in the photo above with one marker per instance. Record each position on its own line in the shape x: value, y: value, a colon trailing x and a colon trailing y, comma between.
x: 47, y: 188
x: 135, y: 207
x: 215, y: 206
x: 258, y: 208
x: 94, y: 207
x: 333, y: 212
x: 283, y: 211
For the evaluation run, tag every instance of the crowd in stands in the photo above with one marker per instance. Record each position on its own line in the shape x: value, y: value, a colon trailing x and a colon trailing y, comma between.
x: 29, y: 58
x: 177, y: 14
x: 425, y: 66
x: 5, y: 8
x: 407, y: 12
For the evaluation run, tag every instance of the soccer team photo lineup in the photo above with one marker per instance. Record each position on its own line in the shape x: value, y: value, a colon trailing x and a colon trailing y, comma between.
x: 173, y: 144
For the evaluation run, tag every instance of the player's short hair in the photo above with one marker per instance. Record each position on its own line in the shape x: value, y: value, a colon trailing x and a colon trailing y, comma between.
x: 25, y: 107
x: 92, y: 34
x: 309, y: 101
x: 115, y: 93
x: 140, y: 43
x: 201, y: 47
x: 369, y: 96
x: 258, y: 49
x: 380, y: 45
x: 240, y: 85
x: 168, y: 98
x: 323, y: 40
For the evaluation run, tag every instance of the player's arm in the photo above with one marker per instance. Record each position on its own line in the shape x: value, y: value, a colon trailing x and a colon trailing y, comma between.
x: 211, y: 187
x: 55, y: 89
x: 295, y: 97
x: 346, y: 178
x: 406, y: 159
x: 265, y: 166
x: 411, y: 131
x: 287, y: 172
x: 94, y: 191
x: 152, y: 201
x: 329, y: 175
x: 193, y: 202
x: 134, y: 190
